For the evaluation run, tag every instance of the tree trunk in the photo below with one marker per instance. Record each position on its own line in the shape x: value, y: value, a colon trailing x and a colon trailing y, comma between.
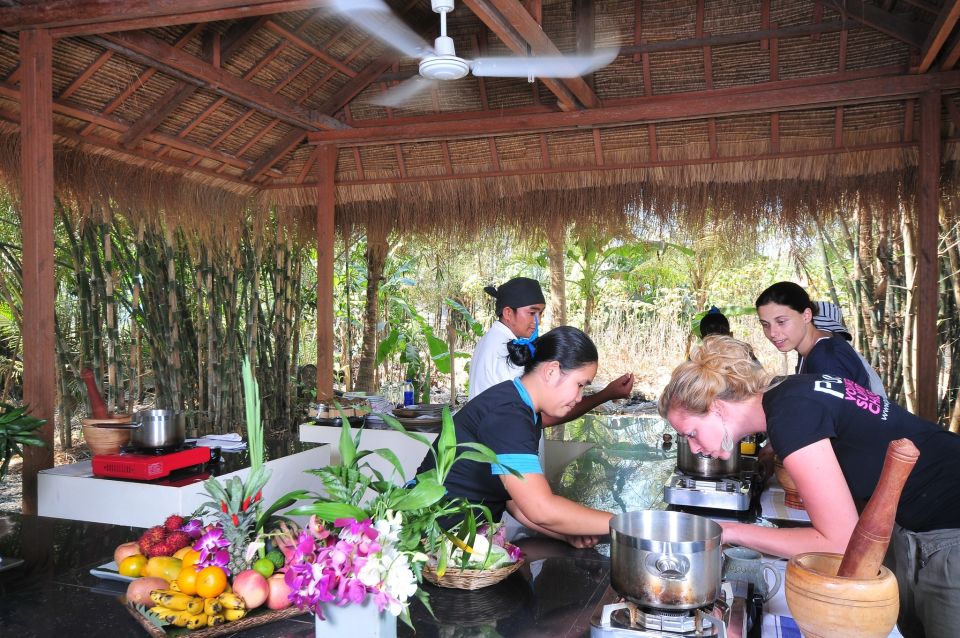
x: 558, y: 281
x: 377, y: 249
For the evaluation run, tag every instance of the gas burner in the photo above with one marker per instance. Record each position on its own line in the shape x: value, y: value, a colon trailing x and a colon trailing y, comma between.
x: 147, y: 467
x: 717, y: 493
x: 616, y: 617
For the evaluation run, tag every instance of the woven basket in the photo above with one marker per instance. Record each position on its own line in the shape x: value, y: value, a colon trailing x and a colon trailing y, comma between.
x: 456, y: 578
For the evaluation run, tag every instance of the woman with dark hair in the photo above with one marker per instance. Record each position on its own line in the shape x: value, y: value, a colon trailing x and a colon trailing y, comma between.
x: 506, y: 418
x: 832, y: 435
x: 786, y: 314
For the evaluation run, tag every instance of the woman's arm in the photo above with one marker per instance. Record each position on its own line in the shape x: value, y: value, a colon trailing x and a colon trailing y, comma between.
x: 826, y: 498
x: 577, y: 540
x: 552, y: 514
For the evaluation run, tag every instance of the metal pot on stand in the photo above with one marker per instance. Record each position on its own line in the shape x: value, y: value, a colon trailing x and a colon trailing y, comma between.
x: 702, y: 466
x: 154, y: 430
x: 665, y: 560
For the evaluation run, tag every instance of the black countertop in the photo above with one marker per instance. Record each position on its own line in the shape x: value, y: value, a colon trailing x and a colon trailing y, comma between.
x: 53, y: 595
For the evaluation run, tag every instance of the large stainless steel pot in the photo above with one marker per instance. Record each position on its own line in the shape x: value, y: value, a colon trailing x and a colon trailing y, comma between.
x: 161, y: 430
x: 706, y: 466
x: 666, y: 560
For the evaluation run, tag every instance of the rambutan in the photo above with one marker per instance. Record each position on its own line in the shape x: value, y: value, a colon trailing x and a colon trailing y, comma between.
x: 173, y: 523
x: 145, y: 544
x: 178, y: 540
x: 155, y: 534
x: 163, y: 548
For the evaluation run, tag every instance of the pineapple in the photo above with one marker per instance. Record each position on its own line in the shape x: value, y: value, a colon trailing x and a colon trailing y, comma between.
x: 235, y: 506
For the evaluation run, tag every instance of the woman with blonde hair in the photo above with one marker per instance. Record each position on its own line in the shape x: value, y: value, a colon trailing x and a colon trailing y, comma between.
x: 832, y: 435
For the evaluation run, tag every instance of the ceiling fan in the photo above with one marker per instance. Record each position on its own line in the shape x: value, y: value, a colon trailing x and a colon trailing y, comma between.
x: 439, y: 62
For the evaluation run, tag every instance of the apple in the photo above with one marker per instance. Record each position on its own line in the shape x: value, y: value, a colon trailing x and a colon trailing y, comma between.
x: 252, y: 587
x: 279, y: 592
x: 127, y: 549
x: 138, y: 591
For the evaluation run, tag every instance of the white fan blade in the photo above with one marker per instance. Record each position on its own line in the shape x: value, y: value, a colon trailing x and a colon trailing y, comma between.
x: 563, y: 66
x: 376, y: 18
x: 402, y: 93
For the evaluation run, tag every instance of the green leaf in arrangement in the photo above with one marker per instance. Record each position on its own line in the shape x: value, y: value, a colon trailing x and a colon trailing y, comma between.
x: 423, y: 494
x: 329, y: 511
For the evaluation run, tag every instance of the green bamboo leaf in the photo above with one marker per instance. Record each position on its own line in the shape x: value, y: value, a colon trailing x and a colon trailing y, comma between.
x: 424, y: 494
x: 348, y: 449
x: 283, y: 502
x: 393, y: 459
x: 329, y: 512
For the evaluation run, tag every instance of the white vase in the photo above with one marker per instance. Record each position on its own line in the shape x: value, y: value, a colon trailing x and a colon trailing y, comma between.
x: 356, y: 621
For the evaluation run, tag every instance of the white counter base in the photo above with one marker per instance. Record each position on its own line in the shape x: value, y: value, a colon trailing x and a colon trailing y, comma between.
x: 73, y: 492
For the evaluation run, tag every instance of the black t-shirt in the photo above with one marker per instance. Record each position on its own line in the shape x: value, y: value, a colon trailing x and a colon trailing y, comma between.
x: 807, y: 408
x: 834, y: 356
x: 500, y: 419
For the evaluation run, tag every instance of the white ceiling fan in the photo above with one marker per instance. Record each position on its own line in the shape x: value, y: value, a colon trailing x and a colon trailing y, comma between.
x: 440, y: 62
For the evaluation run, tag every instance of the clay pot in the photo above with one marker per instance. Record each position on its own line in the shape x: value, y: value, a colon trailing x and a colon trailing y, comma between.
x: 106, y: 440
x: 791, y: 497
x: 825, y: 605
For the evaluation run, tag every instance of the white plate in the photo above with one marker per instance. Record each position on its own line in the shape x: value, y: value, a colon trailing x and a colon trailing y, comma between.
x: 109, y: 571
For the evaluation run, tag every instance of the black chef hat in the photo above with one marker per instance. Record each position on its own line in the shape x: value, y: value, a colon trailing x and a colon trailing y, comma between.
x: 516, y: 293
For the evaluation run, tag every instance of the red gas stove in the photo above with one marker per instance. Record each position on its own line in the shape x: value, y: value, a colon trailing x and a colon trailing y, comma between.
x: 147, y: 467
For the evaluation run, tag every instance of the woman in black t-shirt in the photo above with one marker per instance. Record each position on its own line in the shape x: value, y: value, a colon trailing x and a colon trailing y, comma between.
x: 832, y: 435
x: 506, y: 418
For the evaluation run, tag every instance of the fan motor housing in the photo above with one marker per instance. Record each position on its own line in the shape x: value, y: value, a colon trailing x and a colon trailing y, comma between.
x: 444, y: 67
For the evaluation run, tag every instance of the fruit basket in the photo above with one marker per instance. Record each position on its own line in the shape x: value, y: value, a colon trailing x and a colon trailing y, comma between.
x: 254, y: 619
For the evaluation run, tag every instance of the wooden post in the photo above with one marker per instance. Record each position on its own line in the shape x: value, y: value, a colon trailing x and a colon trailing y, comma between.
x: 927, y: 289
x: 326, y: 205
x: 36, y: 178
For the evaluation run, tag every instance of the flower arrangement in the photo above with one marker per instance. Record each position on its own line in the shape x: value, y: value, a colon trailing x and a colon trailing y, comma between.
x: 370, y: 537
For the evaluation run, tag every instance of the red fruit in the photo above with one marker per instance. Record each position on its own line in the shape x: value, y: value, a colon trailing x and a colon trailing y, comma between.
x: 173, y: 523
x: 155, y: 534
x: 178, y: 540
x: 145, y: 545
x: 163, y: 548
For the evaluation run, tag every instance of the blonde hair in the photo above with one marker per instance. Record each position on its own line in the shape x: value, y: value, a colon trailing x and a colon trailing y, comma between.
x: 720, y: 368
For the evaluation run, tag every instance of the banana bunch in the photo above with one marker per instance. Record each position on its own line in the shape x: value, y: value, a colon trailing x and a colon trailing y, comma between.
x: 194, y: 612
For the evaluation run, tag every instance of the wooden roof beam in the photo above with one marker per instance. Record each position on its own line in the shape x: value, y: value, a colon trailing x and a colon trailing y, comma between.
x: 167, y: 104
x: 939, y: 32
x: 286, y: 144
x: 516, y: 43
x: 531, y: 31
x: 89, y: 17
x: 660, y: 108
x: 152, y: 52
x: 800, y: 30
x: 913, y: 33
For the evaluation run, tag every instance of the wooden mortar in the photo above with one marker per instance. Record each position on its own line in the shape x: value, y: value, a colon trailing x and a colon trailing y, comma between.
x: 825, y: 605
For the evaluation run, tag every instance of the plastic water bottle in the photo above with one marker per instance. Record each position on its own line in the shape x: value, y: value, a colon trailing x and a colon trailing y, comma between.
x: 408, y: 393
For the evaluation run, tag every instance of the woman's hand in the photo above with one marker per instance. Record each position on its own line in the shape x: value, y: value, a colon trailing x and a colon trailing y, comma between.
x: 582, y: 542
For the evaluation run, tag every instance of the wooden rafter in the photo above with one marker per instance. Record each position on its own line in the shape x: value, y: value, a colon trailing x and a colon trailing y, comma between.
x: 289, y: 142
x: 88, y: 17
x: 116, y: 124
x: 516, y: 43
x: 152, y: 52
x: 870, y: 15
x: 653, y: 162
x: 776, y: 97
x: 939, y: 32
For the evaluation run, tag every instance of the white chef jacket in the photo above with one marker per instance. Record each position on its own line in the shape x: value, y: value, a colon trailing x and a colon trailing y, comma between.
x: 489, y: 364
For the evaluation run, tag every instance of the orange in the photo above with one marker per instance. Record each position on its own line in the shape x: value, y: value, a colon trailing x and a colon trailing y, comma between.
x: 211, y: 581
x: 190, y: 558
x: 187, y: 580
x: 132, y: 565
x: 180, y: 553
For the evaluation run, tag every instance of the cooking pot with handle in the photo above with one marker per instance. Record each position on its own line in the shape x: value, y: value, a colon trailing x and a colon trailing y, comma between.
x: 161, y: 430
x: 665, y: 560
x: 703, y: 466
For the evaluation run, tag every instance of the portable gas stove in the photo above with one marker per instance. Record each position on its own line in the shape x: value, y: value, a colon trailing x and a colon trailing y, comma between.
x: 728, y: 617
x: 715, y: 493
x: 147, y: 467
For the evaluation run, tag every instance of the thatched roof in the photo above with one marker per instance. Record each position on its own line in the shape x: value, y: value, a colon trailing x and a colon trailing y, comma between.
x: 756, y: 109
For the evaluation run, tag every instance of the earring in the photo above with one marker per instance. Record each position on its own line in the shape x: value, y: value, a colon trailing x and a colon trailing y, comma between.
x: 726, y: 442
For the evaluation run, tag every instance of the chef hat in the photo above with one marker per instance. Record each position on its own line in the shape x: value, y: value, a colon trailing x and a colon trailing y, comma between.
x: 830, y: 319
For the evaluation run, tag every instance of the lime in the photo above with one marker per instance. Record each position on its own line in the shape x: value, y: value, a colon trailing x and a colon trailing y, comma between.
x: 276, y: 556
x: 264, y: 566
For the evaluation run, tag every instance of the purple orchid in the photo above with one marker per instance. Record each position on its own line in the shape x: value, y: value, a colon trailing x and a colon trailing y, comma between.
x: 213, y: 549
x: 193, y: 528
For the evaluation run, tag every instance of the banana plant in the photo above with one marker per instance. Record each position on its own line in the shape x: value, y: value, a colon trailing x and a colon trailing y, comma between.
x: 17, y: 429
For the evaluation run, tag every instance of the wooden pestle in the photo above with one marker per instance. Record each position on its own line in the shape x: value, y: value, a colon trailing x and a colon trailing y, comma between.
x: 871, y: 536
x: 98, y: 409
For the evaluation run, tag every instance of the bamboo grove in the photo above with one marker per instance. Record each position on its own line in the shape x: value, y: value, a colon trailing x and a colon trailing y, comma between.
x: 166, y: 319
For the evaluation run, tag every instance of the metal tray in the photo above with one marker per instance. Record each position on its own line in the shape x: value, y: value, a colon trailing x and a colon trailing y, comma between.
x: 108, y: 571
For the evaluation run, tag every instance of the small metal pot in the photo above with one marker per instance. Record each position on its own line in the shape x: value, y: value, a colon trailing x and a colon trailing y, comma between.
x: 703, y: 466
x: 666, y: 560
x: 155, y: 430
